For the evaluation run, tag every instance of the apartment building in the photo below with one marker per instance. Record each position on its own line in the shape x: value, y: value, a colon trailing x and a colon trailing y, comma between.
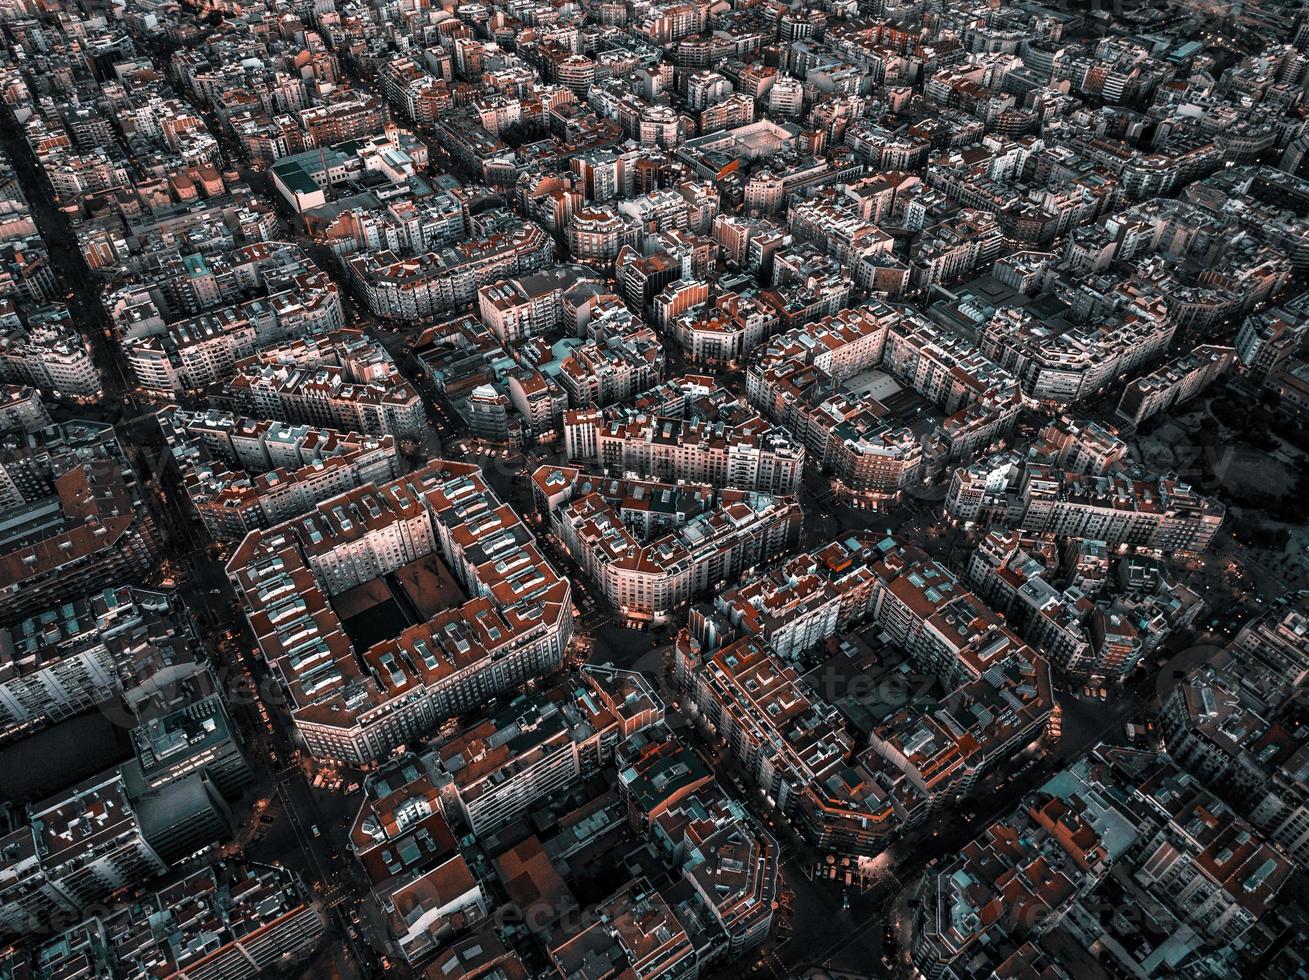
x: 67, y: 659
x: 416, y: 875
x: 342, y: 380
x: 1121, y: 828
x: 800, y: 380
x: 1081, y: 446
x: 433, y: 283
x: 50, y: 356
x: 348, y: 115
x: 858, y: 802
x: 1013, y: 883
x: 597, y: 233
x: 648, y: 577
x: 637, y: 934
x: 1066, y: 363
x: 357, y: 705
x: 538, y: 746
x: 194, y: 737
x: 800, y: 603
x: 794, y: 747
x: 693, y: 431
x: 727, y: 859
x: 1104, y: 639
x: 612, y: 367
x: 1267, y: 340
x: 200, y: 351
x: 1200, y: 859
x: 240, y: 474
x: 981, y: 398
x: 21, y: 407
x: 75, y: 849
x: 947, y: 629
x: 1119, y: 507
x: 531, y: 305
x: 230, y: 921
x: 724, y: 333
x: 1176, y: 382
x: 79, y: 521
